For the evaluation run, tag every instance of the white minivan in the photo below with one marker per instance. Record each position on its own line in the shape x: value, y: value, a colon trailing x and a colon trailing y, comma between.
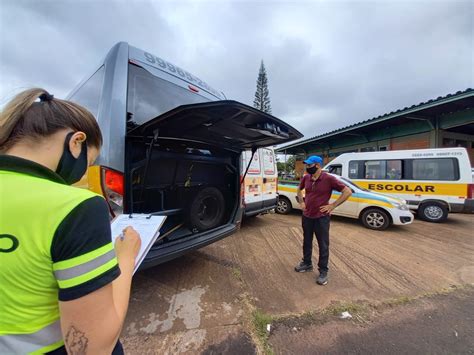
x: 260, y: 183
x: 433, y: 181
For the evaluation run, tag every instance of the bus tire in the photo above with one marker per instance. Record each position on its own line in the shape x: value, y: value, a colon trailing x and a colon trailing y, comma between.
x: 433, y: 211
x: 206, y: 209
x: 283, y: 205
x: 376, y: 219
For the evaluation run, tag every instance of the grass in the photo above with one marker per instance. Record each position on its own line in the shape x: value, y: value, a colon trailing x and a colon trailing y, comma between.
x: 398, y: 301
x: 351, y: 307
x: 237, y: 274
x: 260, y: 321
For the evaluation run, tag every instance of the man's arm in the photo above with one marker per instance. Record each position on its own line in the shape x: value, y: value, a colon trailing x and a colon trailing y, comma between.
x: 345, y: 194
x: 299, y: 194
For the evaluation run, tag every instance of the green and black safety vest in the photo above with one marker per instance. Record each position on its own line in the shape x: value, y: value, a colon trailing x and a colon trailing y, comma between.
x: 55, y: 245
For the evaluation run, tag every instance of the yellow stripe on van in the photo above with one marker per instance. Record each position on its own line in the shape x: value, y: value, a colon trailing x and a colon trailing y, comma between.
x: 286, y: 188
x: 336, y: 196
x: 364, y: 200
x: 415, y: 188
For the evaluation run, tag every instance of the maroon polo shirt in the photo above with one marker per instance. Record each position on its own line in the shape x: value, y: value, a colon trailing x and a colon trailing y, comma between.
x: 318, y: 192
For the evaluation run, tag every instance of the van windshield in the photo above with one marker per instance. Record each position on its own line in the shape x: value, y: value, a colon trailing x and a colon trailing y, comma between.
x: 150, y: 96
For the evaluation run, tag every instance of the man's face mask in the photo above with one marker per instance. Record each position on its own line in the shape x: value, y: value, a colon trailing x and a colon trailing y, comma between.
x: 312, y: 170
x: 70, y: 168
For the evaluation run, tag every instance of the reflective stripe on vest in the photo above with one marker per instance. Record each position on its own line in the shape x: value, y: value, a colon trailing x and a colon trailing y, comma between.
x: 29, y: 343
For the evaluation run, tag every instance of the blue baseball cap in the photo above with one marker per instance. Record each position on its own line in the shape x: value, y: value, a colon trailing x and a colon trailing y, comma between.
x: 314, y: 159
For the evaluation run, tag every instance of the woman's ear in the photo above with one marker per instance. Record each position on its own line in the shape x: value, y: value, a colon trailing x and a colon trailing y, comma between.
x: 76, y: 142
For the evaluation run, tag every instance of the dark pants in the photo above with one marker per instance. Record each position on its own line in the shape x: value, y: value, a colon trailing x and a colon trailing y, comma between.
x: 319, y: 227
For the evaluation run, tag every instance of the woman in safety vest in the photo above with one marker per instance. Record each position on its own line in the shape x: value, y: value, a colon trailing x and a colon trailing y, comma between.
x: 63, y: 284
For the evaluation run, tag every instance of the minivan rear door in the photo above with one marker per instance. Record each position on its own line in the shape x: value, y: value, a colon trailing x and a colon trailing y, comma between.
x: 253, y: 183
x: 228, y: 124
x: 269, y: 193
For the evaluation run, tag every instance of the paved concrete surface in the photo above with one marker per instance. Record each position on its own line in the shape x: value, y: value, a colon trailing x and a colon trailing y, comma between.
x: 202, y: 302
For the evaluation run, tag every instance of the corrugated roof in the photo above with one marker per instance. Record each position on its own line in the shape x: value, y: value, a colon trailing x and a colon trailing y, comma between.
x: 422, y: 105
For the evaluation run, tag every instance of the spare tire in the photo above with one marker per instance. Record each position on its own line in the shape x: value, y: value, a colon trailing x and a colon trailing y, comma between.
x: 206, y: 209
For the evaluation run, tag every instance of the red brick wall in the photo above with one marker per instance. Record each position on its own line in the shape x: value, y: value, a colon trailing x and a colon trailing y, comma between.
x: 417, y: 141
x: 470, y: 151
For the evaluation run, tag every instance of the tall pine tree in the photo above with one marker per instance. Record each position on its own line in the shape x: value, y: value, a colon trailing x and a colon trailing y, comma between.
x: 262, y: 97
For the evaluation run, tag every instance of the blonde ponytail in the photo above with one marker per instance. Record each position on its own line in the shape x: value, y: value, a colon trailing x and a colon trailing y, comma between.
x: 14, y: 111
x: 24, y: 117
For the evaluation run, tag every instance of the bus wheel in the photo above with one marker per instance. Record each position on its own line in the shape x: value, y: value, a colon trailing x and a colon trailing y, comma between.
x: 283, y: 205
x: 376, y: 219
x: 433, y: 212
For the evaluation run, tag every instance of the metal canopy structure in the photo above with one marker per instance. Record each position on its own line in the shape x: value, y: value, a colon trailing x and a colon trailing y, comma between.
x: 452, y: 113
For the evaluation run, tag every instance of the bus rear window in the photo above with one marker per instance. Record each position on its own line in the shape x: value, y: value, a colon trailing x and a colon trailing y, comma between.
x: 150, y: 96
x: 88, y: 95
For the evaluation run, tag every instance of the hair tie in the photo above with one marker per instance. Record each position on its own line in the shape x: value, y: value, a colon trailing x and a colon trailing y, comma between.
x: 44, y: 97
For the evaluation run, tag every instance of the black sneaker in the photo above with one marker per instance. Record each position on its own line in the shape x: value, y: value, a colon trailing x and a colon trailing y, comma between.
x: 303, y: 267
x: 322, y: 279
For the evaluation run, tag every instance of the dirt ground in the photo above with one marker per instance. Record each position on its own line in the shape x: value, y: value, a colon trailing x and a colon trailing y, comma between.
x: 204, y: 302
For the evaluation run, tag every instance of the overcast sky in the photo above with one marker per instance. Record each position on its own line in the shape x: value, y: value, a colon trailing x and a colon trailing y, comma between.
x: 329, y: 63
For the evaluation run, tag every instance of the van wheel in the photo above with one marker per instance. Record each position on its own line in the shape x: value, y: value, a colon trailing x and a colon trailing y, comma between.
x: 433, y: 212
x: 207, y: 209
x: 283, y: 205
x: 376, y: 219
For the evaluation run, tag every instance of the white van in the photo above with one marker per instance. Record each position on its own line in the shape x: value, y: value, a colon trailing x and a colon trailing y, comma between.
x: 260, y: 184
x: 433, y: 181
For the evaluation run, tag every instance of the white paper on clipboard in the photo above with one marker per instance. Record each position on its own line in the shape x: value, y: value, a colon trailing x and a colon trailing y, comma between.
x: 147, y: 226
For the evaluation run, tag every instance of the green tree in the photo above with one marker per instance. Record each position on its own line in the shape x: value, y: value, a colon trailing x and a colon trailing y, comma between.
x: 288, y: 167
x: 290, y: 164
x: 281, y: 167
x: 262, y: 97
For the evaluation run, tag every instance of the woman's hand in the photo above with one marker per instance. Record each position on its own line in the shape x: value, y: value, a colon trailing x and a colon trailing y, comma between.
x: 128, y: 245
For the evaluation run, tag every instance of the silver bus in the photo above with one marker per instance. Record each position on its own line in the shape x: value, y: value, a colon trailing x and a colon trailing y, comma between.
x: 172, y: 146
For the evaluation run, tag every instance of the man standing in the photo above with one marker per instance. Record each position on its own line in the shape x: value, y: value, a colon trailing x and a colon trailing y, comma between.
x: 318, y: 187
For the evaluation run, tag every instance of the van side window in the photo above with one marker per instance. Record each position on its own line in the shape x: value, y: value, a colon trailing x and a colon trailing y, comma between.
x: 356, y: 169
x: 394, y: 170
x: 375, y: 169
x: 435, y: 169
x: 88, y: 95
x: 335, y: 169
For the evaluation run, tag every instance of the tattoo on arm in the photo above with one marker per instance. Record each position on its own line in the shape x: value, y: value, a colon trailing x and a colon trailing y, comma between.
x: 76, y: 341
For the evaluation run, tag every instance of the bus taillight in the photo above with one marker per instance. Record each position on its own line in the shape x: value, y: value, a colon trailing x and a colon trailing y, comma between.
x: 113, y: 187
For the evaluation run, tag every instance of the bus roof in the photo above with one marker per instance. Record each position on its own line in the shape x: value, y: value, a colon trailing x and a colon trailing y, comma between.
x: 143, y: 57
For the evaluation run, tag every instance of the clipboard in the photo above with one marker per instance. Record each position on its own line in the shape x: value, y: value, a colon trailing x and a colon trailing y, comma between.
x: 148, y: 226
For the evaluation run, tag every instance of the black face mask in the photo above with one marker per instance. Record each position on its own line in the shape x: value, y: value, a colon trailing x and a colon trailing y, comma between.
x: 311, y: 170
x: 70, y: 168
